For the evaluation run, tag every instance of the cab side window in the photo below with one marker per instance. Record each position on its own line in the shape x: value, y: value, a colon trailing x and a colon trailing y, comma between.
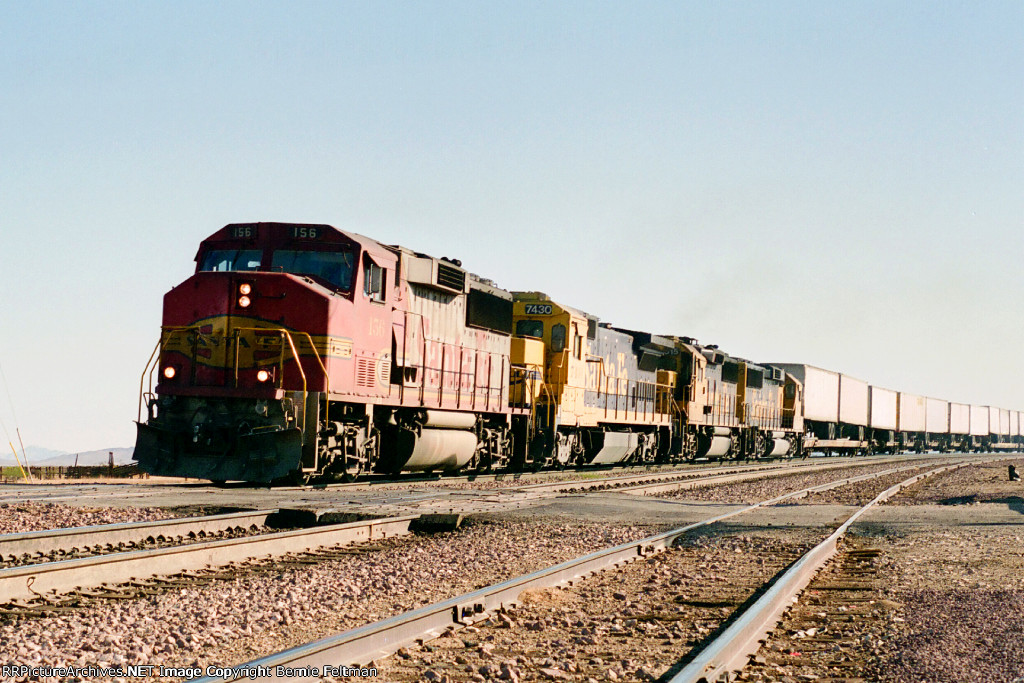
x: 374, y: 281
x: 558, y: 337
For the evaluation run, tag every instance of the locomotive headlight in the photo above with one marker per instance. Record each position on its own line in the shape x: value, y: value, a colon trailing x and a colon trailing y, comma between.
x: 245, y: 288
x: 262, y: 375
x: 170, y: 372
x: 244, y: 301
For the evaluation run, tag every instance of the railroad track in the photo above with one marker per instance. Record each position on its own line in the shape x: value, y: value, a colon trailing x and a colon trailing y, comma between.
x: 467, y: 501
x: 387, y: 501
x: 37, y: 567
x: 731, y: 650
x: 52, y: 544
x: 52, y: 587
x: 373, y: 641
x: 19, y: 493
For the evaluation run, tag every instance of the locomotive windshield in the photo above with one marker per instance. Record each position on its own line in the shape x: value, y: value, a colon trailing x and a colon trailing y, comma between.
x: 530, y: 328
x: 231, y: 259
x: 335, y: 267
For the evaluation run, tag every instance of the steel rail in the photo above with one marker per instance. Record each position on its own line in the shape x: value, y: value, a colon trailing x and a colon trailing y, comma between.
x: 731, y: 650
x: 53, y: 540
x: 626, y: 471
x: 665, y: 487
x: 367, y: 643
x: 728, y: 471
x: 819, y: 488
x: 700, y: 474
x: 48, y: 493
x: 605, y: 481
x: 32, y: 581
x: 693, y: 479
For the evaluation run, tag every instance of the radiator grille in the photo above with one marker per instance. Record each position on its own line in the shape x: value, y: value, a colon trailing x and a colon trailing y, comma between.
x: 366, y: 374
x: 447, y: 276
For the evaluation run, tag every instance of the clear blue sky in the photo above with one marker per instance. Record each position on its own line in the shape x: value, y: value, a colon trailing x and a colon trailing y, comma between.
x: 821, y: 182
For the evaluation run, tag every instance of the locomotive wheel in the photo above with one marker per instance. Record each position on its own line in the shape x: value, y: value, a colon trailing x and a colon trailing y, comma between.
x: 295, y: 478
x: 565, y: 451
x: 760, y: 445
x: 690, y: 446
x: 352, y: 471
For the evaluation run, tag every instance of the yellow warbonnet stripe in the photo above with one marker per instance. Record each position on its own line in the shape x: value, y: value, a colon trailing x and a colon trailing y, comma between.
x: 212, y: 345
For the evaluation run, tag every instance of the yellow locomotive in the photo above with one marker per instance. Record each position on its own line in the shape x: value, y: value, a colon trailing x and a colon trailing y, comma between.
x: 732, y: 407
x: 610, y: 395
x: 605, y: 396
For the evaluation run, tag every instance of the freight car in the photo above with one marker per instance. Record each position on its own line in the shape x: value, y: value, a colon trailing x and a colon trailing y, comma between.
x: 883, y: 406
x: 835, y: 409
x: 299, y: 351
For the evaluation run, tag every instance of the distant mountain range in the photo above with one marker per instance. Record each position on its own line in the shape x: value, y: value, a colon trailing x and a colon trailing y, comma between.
x: 45, y: 457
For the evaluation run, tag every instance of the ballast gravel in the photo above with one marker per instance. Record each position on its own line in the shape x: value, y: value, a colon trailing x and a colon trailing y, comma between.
x: 763, y: 489
x: 984, y: 483
x: 233, y: 621
x: 860, y: 493
x: 16, y: 518
x: 953, y: 610
x: 631, y: 623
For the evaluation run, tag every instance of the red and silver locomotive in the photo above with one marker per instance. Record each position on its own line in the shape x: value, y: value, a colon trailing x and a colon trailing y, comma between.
x: 299, y: 350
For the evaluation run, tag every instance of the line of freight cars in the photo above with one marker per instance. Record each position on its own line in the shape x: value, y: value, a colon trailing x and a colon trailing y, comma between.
x: 842, y: 413
x: 298, y: 351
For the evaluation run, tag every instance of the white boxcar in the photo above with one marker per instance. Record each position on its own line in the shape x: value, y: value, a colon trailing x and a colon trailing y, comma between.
x: 937, y: 416
x: 821, y: 391
x: 853, y: 401
x: 993, y: 420
x: 1004, y: 422
x: 959, y: 418
x: 1014, y: 423
x: 979, y: 420
x: 913, y: 412
x: 883, y: 407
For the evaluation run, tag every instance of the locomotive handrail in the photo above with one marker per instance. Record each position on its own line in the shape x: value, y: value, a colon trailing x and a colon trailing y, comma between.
x: 158, y: 354
x: 285, y: 334
x: 168, y: 332
x: 142, y: 380
x: 423, y: 361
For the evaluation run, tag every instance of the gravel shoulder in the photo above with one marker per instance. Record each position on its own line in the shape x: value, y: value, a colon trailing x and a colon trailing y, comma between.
x: 987, y: 483
x: 31, y: 516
